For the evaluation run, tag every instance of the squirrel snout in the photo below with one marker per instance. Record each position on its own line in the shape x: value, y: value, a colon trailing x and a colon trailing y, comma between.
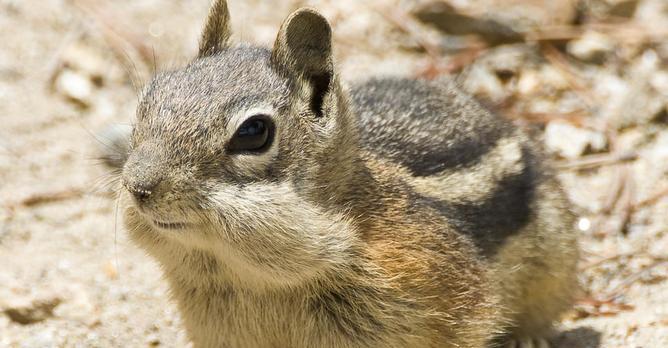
x: 142, y: 175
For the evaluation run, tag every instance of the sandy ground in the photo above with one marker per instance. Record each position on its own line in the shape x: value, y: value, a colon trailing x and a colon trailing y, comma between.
x: 70, y: 278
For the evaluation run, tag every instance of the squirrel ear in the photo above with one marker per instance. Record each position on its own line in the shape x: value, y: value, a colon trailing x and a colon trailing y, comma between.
x: 216, y: 31
x: 304, y: 46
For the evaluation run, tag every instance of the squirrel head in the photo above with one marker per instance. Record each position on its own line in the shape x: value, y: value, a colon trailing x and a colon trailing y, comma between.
x: 243, y: 150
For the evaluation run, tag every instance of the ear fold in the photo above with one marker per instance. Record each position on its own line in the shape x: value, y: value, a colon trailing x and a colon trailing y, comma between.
x: 304, y: 47
x: 217, y: 30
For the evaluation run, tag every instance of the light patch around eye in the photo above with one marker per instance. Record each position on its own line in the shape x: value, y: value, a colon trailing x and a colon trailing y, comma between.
x: 237, y: 119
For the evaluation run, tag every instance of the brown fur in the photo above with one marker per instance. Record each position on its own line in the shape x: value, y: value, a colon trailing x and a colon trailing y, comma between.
x: 399, y: 214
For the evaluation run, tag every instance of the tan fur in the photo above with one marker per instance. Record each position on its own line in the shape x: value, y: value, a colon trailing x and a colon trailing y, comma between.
x: 333, y: 235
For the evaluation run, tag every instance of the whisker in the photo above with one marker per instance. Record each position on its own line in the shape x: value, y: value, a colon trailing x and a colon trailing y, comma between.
x: 131, y: 70
x: 155, y: 64
x: 118, y: 268
x: 105, y: 183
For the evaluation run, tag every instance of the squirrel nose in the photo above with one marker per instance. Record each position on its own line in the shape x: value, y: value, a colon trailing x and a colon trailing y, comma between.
x: 141, y: 192
x: 142, y: 174
x: 142, y: 186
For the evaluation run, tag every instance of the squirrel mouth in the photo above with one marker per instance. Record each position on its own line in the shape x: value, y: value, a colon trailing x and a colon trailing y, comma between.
x: 170, y: 225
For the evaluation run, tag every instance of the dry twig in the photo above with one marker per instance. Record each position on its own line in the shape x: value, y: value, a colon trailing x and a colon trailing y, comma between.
x: 606, y: 259
x: 625, y: 206
x: 406, y: 24
x: 630, y: 280
x: 577, y: 117
x: 626, y: 31
x: 594, y: 161
x: 596, y: 307
x: 651, y: 200
x: 47, y: 197
x: 436, y: 66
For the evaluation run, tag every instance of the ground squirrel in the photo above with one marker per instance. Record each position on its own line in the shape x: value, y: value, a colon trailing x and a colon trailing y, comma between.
x: 289, y: 211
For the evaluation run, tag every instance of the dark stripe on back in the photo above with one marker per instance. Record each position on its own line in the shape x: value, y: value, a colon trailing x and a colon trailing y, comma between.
x: 490, y: 222
x: 427, y: 127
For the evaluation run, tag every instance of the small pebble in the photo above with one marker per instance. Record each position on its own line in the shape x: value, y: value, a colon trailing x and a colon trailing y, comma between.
x: 75, y: 87
x: 592, y: 47
x: 572, y: 142
x: 26, y: 311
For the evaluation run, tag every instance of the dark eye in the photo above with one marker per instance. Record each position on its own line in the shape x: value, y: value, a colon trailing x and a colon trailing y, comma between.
x: 254, y: 135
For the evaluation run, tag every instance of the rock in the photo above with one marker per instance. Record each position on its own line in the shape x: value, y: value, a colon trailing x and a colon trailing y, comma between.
x: 624, y: 8
x: 529, y: 82
x: 640, y: 99
x: 86, y: 61
x: 485, y: 84
x: 572, y: 142
x: 659, y: 81
x: 607, y: 8
x: 153, y: 340
x: 491, y: 77
x: 649, y: 11
x: 512, y: 17
x: 25, y: 311
x: 80, y: 72
x: 75, y: 87
x: 592, y: 47
x: 446, y: 18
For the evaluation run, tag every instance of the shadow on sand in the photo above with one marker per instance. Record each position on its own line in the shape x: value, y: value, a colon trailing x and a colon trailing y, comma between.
x: 582, y: 337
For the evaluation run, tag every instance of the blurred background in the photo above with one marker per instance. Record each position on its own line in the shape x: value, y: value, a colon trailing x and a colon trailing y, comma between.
x: 589, y: 76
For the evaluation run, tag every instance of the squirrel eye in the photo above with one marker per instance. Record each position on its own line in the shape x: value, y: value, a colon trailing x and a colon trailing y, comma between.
x: 254, y: 135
